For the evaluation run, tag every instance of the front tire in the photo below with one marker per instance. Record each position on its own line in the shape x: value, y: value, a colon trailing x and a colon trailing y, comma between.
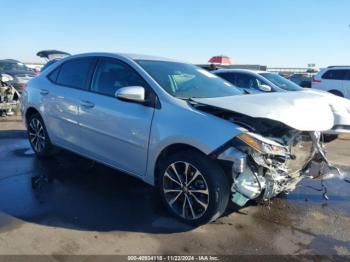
x: 38, y: 137
x: 193, y: 187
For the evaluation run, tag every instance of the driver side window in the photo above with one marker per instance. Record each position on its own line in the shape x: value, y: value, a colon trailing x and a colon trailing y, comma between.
x: 111, y: 74
x: 246, y: 81
x: 250, y: 82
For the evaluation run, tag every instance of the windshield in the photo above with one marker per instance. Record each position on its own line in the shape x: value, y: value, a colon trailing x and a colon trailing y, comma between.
x: 6, y: 66
x: 281, y: 82
x: 188, y: 81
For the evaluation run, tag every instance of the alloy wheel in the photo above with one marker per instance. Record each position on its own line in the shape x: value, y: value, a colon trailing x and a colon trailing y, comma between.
x: 186, y: 190
x: 37, y: 135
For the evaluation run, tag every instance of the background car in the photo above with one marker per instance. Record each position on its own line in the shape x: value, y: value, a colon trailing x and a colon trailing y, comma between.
x: 303, y: 80
x: 334, y: 79
x: 9, y: 97
x: 252, y: 81
x: 20, y: 73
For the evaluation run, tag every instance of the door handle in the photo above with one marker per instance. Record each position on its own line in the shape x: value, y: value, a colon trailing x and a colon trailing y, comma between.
x: 87, y: 104
x: 44, y: 92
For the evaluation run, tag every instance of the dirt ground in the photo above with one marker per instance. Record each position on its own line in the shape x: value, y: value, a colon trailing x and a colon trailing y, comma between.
x: 69, y: 205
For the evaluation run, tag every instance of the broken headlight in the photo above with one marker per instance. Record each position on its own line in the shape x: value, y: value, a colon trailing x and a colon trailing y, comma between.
x: 263, y: 145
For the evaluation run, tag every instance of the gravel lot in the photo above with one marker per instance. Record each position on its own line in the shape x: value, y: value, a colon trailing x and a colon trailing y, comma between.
x: 69, y: 205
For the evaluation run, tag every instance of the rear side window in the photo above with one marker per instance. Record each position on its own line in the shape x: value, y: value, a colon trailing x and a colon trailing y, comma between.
x: 53, y: 75
x: 74, y: 73
x: 111, y: 74
x: 230, y: 77
x: 336, y: 74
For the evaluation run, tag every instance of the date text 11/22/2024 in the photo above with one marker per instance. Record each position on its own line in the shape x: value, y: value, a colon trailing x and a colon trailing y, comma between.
x: 173, y: 258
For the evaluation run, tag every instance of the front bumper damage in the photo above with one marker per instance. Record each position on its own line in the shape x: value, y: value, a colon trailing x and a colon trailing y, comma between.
x: 320, y: 167
x: 254, y: 180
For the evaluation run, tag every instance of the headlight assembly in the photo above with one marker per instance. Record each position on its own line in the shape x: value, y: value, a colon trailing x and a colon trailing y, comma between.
x: 262, y: 144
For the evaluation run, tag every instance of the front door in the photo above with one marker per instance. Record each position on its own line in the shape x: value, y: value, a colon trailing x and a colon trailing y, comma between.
x: 113, y: 131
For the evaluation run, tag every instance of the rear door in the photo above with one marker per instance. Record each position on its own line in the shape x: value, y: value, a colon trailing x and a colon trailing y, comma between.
x: 113, y: 131
x: 69, y: 83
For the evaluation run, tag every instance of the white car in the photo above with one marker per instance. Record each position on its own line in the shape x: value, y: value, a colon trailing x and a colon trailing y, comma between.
x: 334, y: 79
x: 252, y: 82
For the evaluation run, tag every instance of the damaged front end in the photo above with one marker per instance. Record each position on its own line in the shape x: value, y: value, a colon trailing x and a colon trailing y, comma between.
x: 269, y: 157
x: 263, y: 167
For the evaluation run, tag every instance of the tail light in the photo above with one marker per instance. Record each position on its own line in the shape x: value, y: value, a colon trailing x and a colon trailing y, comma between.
x: 315, y: 80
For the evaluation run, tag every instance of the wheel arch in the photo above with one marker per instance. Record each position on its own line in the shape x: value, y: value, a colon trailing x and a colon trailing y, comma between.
x: 171, y: 149
x: 176, y: 147
x: 336, y: 92
x: 29, y: 112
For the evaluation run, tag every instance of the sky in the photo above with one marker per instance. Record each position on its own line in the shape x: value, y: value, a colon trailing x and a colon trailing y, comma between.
x: 277, y: 33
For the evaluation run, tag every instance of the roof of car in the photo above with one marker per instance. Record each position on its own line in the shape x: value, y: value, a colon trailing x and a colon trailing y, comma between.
x: 343, y: 66
x: 130, y: 56
x: 148, y: 57
x: 228, y: 70
x: 9, y: 61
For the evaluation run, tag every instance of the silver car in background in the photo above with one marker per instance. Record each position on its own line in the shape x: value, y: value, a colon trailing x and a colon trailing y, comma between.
x: 178, y: 127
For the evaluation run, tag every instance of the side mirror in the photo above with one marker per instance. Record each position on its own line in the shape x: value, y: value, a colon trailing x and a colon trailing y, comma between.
x: 131, y: 93
x: 6, y: 78
x: 265, y: 88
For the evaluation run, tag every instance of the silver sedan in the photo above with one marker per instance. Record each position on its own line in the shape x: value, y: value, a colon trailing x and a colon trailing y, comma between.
x: 178, y: 127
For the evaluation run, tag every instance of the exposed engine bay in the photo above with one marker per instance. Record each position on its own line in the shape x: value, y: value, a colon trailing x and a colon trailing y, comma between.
x: 269, y: 157
x: 9, y: 98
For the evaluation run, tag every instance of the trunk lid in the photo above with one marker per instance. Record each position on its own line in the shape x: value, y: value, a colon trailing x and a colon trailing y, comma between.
x: 52, y: 54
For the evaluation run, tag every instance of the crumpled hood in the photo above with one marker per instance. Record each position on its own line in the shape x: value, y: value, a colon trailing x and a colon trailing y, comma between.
x: 300, y: 110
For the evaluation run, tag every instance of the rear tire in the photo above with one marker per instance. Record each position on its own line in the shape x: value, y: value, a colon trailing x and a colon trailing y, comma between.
x: 193, y: 187
x: 38, y: 137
